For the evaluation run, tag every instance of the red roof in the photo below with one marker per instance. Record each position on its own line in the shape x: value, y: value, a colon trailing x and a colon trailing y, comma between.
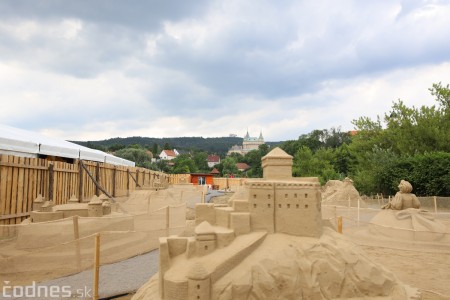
x: 242, y: 166
x: 214, y: 158
x: 170, y: 153
x: 215, y: 171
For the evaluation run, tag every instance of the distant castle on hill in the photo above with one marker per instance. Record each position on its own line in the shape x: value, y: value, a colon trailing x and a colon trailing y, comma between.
x: 249, y: 144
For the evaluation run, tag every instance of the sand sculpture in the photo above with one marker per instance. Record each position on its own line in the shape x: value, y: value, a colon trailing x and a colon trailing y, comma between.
x: 268, y: 244
x: 341, y: 193
x: 96, y: 215
x: 44, y: 210
x: 402, y: 218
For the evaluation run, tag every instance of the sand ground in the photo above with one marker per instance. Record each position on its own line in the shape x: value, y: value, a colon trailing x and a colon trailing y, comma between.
x: 428, y: 270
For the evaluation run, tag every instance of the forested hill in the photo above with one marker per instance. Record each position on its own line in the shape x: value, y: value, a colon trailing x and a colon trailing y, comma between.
x: 218, y: 145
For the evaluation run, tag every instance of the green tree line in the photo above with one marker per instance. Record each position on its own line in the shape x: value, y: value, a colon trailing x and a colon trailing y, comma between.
x: 411, y: 143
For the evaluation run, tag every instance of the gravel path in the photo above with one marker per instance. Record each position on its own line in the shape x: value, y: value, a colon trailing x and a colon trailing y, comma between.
x: 115, y: 279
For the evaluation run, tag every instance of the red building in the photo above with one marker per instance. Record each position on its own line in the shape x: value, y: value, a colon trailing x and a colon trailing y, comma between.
x: 202, y: 179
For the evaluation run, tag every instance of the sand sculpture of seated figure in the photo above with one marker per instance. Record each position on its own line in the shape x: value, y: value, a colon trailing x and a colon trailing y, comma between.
x: 404, y: 199
x: 402, y: 218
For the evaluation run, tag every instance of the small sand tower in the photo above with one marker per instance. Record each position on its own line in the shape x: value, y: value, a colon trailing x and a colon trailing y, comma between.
x: 106, y: 207
x: 38, y: 202
x: 199, y: 283
x: 47, y: 206
x: 205, y: 238
x: 277, y: 165
x: 95, y: 208
x: 73, y: 199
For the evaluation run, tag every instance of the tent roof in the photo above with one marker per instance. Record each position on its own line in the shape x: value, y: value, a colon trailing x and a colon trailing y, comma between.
x: 27, y: 143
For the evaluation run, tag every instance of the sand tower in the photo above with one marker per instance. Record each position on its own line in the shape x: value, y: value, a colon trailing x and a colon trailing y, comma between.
x: 73, y: 199
x: 95, y: 208
x: 277, y: 165
x: 38, y: 202
x: 205, y: 238
x: 199, y: 283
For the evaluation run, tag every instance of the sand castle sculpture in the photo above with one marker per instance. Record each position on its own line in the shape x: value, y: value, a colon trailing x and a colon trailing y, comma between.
x: 402, y: 218
x: 269, y: 243
x: 44, y: 210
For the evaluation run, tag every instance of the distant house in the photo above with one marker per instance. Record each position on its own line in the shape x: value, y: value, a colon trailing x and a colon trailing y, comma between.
x: 168, y: 154
x: 242, y: 167
x: 213, y: 160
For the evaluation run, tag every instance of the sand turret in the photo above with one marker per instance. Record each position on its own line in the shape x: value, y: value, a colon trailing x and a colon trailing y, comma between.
x: 73, y: 199
x: 277, y: 165
x: 95, y: 208
x: 199, y: 283
x: 38, y: 202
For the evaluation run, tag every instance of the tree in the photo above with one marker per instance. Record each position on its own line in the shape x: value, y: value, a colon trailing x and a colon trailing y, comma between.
x: 228, y: 167
x: 139, y: 156
x: 183, y: 163
x: 155, y: 150
x: 201, y: 161
x: 319, y: 164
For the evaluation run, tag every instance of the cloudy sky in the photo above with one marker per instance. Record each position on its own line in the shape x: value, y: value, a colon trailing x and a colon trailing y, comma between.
x: 97, y: 69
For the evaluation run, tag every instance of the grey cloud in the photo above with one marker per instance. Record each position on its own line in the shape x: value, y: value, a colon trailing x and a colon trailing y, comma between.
x: 139, y: 14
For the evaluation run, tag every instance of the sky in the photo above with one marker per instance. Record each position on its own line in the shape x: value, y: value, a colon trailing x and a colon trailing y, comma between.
x: 99, y: 69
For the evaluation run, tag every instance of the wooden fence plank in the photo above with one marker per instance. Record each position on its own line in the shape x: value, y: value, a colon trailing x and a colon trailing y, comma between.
x: 20, y: 183
x: 15, y: 173
x: 3, y: 185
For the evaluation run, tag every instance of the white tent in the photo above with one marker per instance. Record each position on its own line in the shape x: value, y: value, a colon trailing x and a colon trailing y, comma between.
x: 14, y: 141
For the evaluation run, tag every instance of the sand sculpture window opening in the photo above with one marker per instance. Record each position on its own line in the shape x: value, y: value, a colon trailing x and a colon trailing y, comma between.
x: 279, y: 205
x: 306, y: 195
x: 198, y: 286
x: 288, y: 206
x: 268, y: 205
x: 295, y: 195
x: 254, y: 205
x: 297, y: 206
x: 254, y: 196
x: 285, y: 195
x: 206, y: 247
x: 306, y: 205
x: 268, y: 196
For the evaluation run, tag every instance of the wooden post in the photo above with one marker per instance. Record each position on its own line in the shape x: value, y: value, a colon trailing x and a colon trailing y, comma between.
x: 339, y: 224
x: 128, y: 182
x: 76, y: 236
x: 80, y: 182
x: 97, y: 178
x: 137, y: 177
x: 96, y: 183
x: 435, y: 204
x: 203, y: 197
x: 114, y: 182
x: 96, y: 266
x: 50, y: 182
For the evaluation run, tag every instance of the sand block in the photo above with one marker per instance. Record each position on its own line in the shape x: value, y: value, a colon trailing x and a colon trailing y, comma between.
x: 240, y: 223
x: 205, y: 212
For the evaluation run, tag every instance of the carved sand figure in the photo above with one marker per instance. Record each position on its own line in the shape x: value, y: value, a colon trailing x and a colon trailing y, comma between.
x: 404, y: 198
x: 269, y: 243
x: 402, y: 218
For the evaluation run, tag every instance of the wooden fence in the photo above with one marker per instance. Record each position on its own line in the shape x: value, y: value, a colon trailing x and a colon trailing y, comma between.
x: 23, y: 179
